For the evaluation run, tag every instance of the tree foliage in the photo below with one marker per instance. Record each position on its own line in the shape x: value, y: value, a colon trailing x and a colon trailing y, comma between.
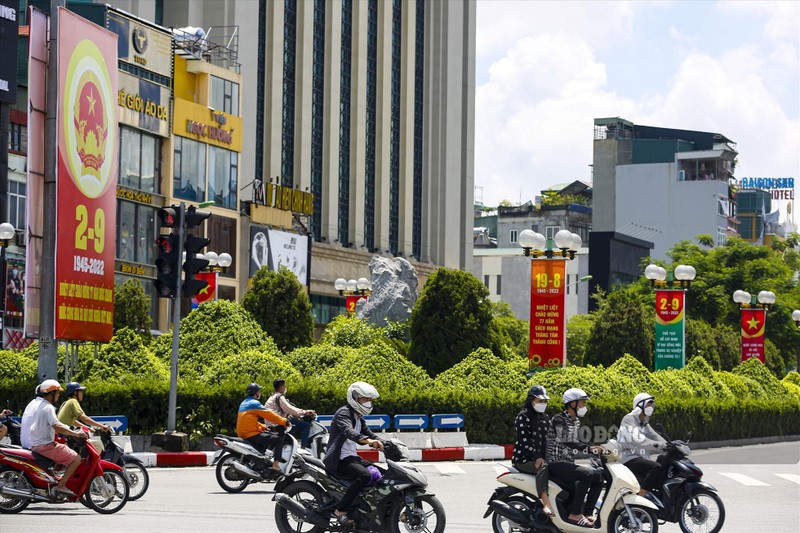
x: 451, y: 318
x: 622, y: 325
x: 132, y: 308
x: 509, y: 334
x: 280, y: 304
x: 579, y: 331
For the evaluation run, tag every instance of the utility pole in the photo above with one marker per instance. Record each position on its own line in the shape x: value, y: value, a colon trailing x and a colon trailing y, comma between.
x: 48, y: 351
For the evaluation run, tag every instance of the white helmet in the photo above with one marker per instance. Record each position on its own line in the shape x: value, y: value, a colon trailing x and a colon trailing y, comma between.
x: 573, y: 395
x: 49, y: 385
x: 641, y: 399
x: 361, y: 389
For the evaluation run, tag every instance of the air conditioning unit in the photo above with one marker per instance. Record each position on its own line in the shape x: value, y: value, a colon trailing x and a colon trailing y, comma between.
x: 681, y: 175
x: 20, y: 238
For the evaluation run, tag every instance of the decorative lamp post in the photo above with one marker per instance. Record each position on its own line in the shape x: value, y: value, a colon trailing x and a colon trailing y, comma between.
x: 7, y: 232
x: 548, y: 347
x: 670, y: 286
x: 353, y: 290
x: 754, y: 321
x: 796, y: 318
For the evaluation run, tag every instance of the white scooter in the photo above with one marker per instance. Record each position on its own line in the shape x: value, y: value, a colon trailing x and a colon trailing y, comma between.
x: 517, y: 508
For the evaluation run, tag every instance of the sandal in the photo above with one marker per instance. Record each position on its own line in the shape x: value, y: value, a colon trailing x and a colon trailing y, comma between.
x: 584, y: 522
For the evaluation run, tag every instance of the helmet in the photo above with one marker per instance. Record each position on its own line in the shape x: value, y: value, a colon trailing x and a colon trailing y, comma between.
x: 49, y: 385
x: 361, y: 389
x: 538, y: 392
x: 72, y: 387
x: 641, y: 399
x: 253, y: 388
x: 395, y: 450
x: 573, y: 395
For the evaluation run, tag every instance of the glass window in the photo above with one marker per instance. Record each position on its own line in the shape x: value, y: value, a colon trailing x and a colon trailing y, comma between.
x: 137, y: 232
x: 222, y: 180
x: 16, y: 205
x: 486, y: 281
x: 513, y: 236
x: 127, y: 221
x: 139, y: 160
x: 222, y: 233
x: 225, y: 96
x: 145, y: 234
x: 499, y: 285
x: 18, y: 138
x: 189, y: 180
x: 130, y: 154
x: 550, y: 231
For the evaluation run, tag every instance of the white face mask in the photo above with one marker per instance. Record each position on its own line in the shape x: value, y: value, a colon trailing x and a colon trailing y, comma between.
x: 540, y: 407
x: 648, y: 411
x: 367, y: 405
x: 582, y: 411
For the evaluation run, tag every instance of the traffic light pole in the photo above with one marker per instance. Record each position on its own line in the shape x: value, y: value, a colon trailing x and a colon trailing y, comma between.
x: 176, y: 322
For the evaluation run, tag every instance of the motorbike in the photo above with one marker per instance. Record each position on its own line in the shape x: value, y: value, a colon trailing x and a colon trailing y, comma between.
x: 135, y: 471
x: 683, y: 496
x: 516, y: 506
x: 26, y: 477
x: 307, y: 497
x: 14, y: 428
x: 239, y: 463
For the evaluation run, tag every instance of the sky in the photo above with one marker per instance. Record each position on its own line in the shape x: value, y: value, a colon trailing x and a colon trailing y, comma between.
x: 545, y: 70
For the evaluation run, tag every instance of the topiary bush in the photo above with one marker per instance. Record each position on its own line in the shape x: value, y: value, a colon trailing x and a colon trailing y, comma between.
x: 17, y: 366
x: 252, y: 365
x: 351, y: 331
x: 125, y: 356
x: 379, y: 365
x: 482, y: 370
x: 314, y: 360
x: 763, y: 378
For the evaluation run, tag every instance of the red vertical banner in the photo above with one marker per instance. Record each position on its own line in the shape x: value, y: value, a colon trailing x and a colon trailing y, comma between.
x: 351, y: 302
x: 753, y: 326
x: 208, y: 294
x: 86, y: 179
x: 548, y: 346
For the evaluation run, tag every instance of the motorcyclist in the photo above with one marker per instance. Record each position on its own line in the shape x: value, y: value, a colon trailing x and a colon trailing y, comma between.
x: 280, y: 405
x: 40, y: 425
x: 3, y: 428
x: 530, y: 447
x: 250, y: 428
x: 347, y: 430
x: 638, y: 440
x: 71, y: 414
x: 561, y: 453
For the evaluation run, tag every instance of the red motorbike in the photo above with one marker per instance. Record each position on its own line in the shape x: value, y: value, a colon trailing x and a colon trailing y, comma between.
x: 26, y: 477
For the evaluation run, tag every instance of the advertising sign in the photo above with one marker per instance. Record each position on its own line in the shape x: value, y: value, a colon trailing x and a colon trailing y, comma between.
x: 34, y: 206
x: 291, y: 251
x: 143, y: 104
x: 141, y: 44
x: 259, y: 248
x: 209, y: 294
x: 200, y: 123
x: 548, y: 347
x: 753, y: 322
x: 86, y: 180
x: 9, y: 43
x: 670, y: 329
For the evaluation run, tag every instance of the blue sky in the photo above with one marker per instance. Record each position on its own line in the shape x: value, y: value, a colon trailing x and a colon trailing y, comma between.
x: 545, y: 70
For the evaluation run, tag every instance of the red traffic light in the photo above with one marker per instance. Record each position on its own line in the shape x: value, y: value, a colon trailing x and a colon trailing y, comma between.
x: 169, y: 217
x: 165, y: 244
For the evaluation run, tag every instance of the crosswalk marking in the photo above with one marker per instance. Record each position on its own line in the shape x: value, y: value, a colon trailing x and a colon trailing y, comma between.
x: 791, y: 477
x: 449, y: 468
x: 745, y: 480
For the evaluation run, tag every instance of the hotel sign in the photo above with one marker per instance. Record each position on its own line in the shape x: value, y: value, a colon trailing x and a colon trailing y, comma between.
x: 284, y: 198
x: 779, y: 188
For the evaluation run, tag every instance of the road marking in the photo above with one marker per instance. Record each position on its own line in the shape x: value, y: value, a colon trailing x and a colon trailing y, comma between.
x: 791, y: 477
x: 745, y: 480
x: 449, y: 468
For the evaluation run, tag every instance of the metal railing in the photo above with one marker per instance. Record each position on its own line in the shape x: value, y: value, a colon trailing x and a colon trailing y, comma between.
x: 218, y: 45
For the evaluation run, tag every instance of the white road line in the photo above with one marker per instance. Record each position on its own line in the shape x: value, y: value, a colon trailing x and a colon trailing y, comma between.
x: 791, y: 477
x: 449, y: 468
x: 745, y: 480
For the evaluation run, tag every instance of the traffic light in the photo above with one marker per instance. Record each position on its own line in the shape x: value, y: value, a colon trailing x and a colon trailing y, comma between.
x: 194, y: 264
x: 170, y: 217
x: 195, y: 217
x: 168, y: 266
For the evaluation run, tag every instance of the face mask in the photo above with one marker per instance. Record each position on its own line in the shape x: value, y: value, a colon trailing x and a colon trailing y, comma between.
x: 582, y: 411
x: 648, y: 411
x: 367, y: 405
x: 540, y: 407
x: 14, y: 272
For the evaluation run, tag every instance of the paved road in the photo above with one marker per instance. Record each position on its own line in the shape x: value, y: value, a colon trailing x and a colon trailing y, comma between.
x: 758, y: 497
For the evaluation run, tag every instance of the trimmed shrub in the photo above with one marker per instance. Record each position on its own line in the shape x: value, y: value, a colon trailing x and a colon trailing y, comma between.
x: 314, y: 360
x: 348, y: 330
x: 482, y: 370
x: 379, y: 365
x: 766, y: 381
x: 252, y: 365
x: 124, y: 357
x: 17, y: 366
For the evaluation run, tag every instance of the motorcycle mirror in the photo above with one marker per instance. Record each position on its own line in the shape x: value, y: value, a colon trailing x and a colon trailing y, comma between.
x: 689, y: 436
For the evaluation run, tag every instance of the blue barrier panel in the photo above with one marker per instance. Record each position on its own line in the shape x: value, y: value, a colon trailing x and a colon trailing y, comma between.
x: 325, y: 421
x: 377, y: 421
x: 118, y: 422
x: 447, y: 421
x: 410, y: 421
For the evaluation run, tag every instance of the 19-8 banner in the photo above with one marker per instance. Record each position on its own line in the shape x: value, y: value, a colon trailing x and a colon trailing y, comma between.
x: 86, y: 180
x: 548, y: 347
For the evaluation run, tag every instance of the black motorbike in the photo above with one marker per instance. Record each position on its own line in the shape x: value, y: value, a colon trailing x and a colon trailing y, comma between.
x: 683, y: 496
x: 307, y: 497
x: 135, y: 471
x: 13, y: 430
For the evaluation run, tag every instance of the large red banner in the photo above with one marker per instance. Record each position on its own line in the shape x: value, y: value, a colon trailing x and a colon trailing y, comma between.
x: 209, y: 294
x: 548, y: 346
x: 87, y: 179
x: 352, y: 301
x: 753, y: 326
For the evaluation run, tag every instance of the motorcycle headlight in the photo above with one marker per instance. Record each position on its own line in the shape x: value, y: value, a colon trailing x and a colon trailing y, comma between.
x: 684, y: 449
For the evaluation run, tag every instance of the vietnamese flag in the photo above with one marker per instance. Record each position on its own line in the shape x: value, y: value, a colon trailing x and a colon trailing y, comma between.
x: 753, y: 326
x: 209, y: 294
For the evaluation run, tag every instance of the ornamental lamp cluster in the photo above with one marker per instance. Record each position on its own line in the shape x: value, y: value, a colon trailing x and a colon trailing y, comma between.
x: 361, y: 287
x: 763, y: 300
x: 536, y: 245
x: 682, y: 276
x: 216, y: 262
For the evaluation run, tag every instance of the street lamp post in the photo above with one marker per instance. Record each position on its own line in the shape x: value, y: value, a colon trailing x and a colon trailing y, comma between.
x: 353, y: 290
x: 796, y: 318
x: 753, y: 321
x: 6, y: 234
x: 670, y: 338
x: 547, y: 346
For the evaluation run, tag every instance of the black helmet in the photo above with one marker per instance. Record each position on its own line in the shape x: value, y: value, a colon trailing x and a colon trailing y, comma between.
x: 253, y: 388
x: 538, y: 392
x: 72, y: 387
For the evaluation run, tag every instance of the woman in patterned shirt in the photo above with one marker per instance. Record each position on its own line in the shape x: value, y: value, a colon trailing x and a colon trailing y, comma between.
x: 533, y: 431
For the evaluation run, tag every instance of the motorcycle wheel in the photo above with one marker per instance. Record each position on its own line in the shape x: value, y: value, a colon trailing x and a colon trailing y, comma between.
x: 501, y: 524
x: 427, y: 515
x: 703, y: 512
x: 228, y: 478
x: 646, y: 521
x: 138, y: 479
x: 309, y: 495
x: 17, y: 480
x: 108, y: 493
